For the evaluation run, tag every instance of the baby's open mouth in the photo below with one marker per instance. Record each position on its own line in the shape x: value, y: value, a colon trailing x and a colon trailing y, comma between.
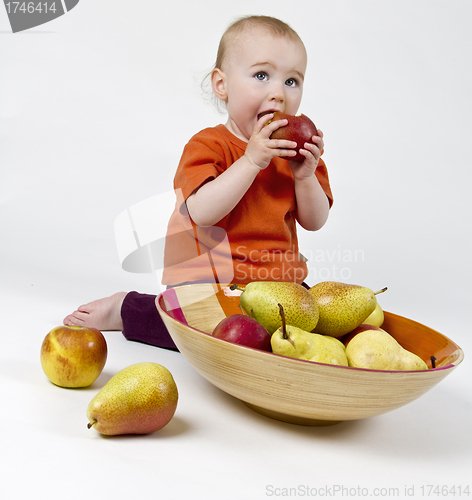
x: 260, y: 115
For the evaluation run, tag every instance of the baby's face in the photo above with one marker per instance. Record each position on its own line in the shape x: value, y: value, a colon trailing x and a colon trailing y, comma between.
x: 262, y: 74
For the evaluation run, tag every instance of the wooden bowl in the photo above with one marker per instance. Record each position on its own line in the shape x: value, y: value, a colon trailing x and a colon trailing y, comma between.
x: 291, y: 390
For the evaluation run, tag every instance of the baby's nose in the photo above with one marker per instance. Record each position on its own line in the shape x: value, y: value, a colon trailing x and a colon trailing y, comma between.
x: 277, y: 96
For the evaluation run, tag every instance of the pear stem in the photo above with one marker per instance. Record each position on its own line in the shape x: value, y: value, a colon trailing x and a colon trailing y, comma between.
x: 381, y: 291
x: 433, y: 361
x: 91, y: 424
x: 284, y: 326
x: 236, y: 287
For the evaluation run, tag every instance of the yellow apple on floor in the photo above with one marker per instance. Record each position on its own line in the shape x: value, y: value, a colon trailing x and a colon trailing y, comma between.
x: 73, y: 356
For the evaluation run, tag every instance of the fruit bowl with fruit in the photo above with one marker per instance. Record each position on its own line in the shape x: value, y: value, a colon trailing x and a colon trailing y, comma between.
x: 300, y: 391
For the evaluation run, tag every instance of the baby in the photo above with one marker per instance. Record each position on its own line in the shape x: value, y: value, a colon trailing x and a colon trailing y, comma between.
x: 232, y: 177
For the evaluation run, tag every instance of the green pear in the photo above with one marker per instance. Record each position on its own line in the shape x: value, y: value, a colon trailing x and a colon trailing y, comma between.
x: 342, y: 307
x: 378, y: 350
x: 139, y: 399
x: 294, y: 342
x: 260, y: 300
x: 376, y: 318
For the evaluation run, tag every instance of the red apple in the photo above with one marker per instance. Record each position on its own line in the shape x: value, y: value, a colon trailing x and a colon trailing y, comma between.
x: 243, y: 330
x: 299, y: 129
x: 73, y: 356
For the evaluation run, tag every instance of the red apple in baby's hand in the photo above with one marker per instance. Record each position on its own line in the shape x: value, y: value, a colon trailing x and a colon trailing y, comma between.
x: 299, y: 129
x: 243, y: 330
x: 73, y: 356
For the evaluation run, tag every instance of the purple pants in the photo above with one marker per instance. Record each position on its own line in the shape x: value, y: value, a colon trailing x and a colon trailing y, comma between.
x: 142, y: 322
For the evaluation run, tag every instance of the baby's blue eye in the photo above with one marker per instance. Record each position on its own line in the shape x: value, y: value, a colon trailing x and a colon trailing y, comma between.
x: 261, y: 76
x: 291, y: 82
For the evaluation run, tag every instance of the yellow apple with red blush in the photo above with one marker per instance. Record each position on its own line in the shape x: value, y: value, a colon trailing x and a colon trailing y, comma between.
x: 73, y: 356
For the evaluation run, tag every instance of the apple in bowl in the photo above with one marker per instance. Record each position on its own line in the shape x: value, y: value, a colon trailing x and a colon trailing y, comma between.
x: 73, y: 356
x: 300, y: 129
x: 243, y: 330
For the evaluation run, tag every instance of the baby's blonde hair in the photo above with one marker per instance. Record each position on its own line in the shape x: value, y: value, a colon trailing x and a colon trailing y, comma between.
x: 272, y: 25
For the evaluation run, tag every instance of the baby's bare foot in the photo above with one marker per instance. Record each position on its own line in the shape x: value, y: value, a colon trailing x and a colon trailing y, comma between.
x: 103, y: 314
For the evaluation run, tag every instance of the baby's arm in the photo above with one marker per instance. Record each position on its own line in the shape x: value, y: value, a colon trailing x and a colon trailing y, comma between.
x: 217, y: 198
x: 312, y: 202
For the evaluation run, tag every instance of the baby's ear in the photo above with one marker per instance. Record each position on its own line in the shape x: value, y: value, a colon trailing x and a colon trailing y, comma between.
x: 218, y: 84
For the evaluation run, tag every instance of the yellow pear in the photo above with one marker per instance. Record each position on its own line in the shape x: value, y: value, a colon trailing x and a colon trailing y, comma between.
x: 329, y: 350
x: 376, y: 349
x: 260, y: 300
x: 294, y: 342
x: 139, y: 399
x: 342, y: 307
x: 376, y: 318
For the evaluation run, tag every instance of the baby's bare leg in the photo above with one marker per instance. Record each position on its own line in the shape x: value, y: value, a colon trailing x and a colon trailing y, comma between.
x: 103, y: 314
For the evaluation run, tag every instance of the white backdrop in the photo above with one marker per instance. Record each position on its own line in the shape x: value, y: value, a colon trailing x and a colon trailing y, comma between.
x: 95, y: 109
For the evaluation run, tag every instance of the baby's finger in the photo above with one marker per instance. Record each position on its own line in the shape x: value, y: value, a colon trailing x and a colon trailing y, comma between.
x: 285, y: 152
x: 311, y: 150
x: 263, y: 122
x: 282, y: 144
x: 271, y: 126
x: 318, y: 141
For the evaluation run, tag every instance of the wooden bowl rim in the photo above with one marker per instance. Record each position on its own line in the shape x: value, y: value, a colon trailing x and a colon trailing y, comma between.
x: 171, y: 294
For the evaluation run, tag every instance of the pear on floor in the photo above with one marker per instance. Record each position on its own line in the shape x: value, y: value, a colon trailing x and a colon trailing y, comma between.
x: 139, y: 399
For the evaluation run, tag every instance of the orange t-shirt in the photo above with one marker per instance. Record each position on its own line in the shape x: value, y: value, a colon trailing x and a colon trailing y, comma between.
x: 256, y: 241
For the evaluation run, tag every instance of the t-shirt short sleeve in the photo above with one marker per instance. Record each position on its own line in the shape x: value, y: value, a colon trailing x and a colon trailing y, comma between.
x: 204, y: 157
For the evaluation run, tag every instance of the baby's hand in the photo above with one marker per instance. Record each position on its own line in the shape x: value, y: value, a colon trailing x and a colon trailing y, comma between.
x: 312, y: 153
x: 261, y: 149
